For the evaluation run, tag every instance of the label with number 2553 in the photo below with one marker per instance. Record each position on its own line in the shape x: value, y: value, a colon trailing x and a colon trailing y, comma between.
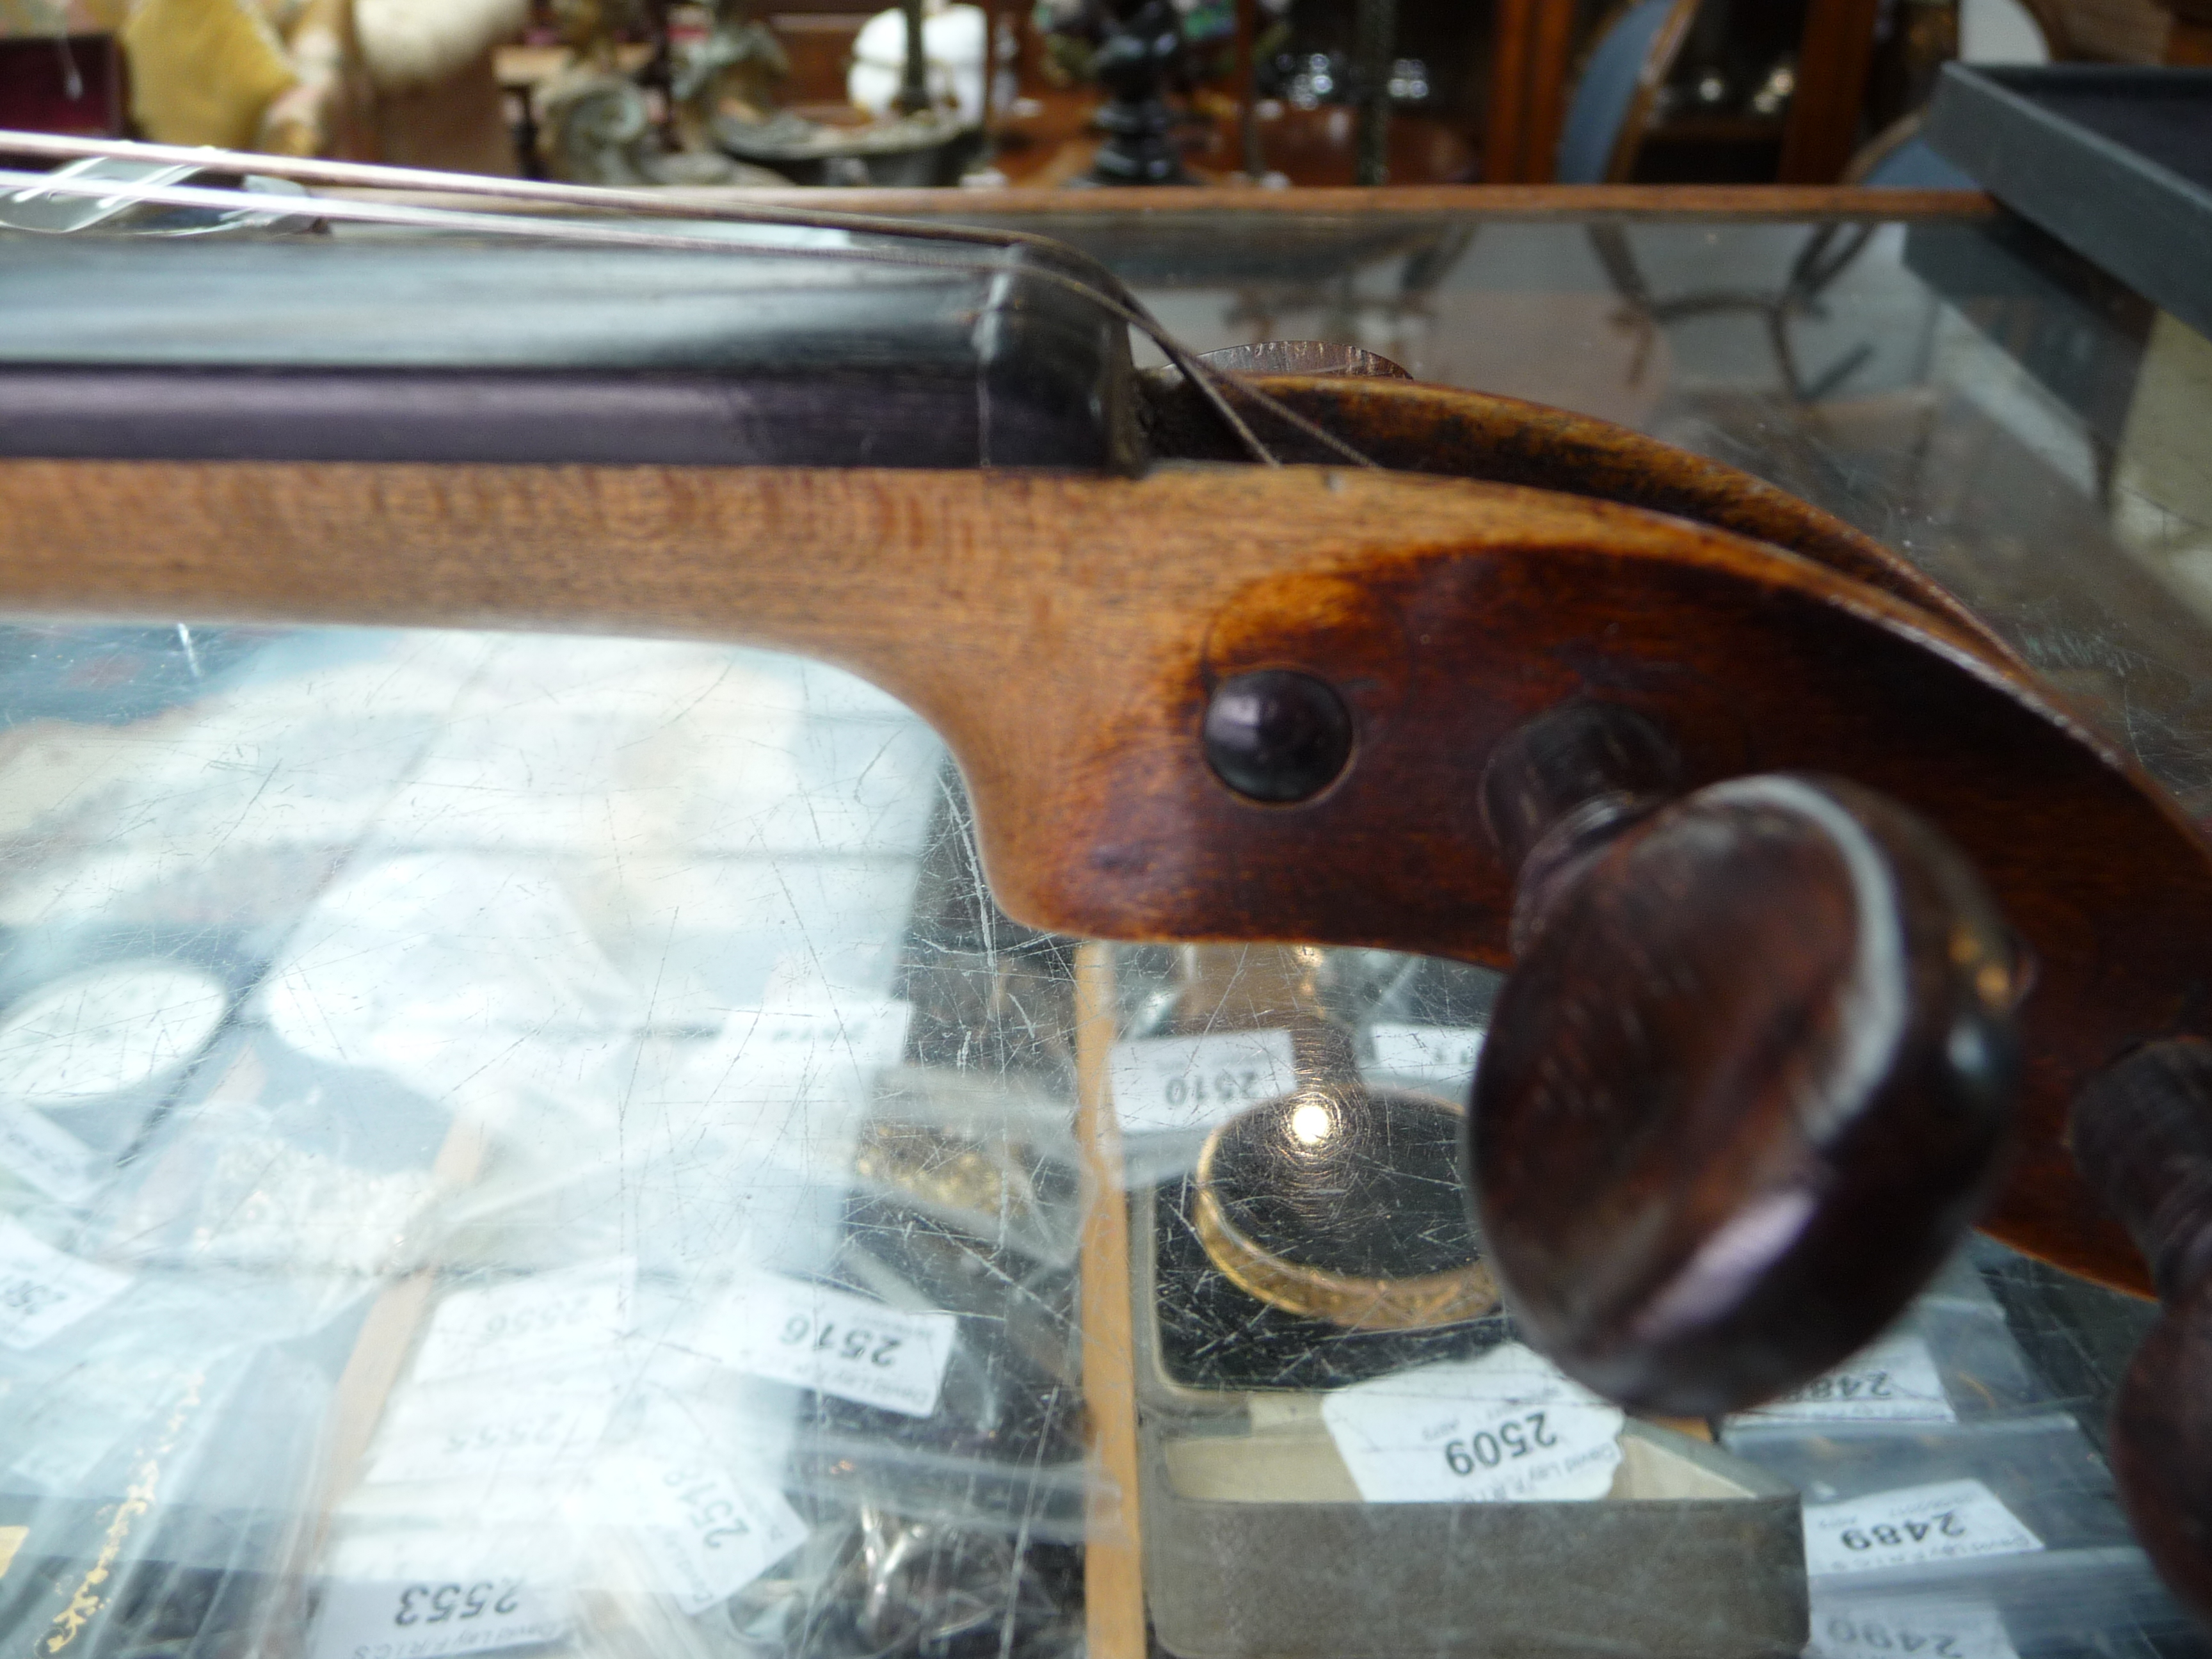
x: 431, y: 1619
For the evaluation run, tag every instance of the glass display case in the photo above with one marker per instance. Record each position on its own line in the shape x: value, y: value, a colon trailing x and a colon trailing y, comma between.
x: 518, y: 1142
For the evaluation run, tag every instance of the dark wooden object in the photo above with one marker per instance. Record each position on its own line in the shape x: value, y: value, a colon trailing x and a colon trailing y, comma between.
x: 1651, y: 78
x: 2142, y: 1133
x: 819, y: 45
x: 1534, y: 57
x: 1750, y: 1078
x: 1834, y: 55
x: 1505, y: 121
x: 1550, y: 52
x: 1531, y: 43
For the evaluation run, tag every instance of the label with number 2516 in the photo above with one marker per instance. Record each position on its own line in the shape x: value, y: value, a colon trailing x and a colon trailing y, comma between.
x: 817, y: 1337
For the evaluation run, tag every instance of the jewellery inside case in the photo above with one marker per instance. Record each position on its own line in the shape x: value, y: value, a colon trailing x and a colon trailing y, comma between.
x: 1343, y: 1203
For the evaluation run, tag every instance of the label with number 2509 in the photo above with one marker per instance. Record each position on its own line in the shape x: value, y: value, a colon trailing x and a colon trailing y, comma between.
x: 1505, y: 1428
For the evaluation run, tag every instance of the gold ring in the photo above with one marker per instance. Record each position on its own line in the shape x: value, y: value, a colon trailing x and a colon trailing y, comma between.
x: 1417, y: 1303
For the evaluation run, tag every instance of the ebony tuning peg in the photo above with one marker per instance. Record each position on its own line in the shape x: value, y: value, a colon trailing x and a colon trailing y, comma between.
x: 1750, y: 1077
x: 2141, y: 1133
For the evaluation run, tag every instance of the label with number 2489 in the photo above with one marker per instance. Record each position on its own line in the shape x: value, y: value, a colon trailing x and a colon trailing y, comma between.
x: 1949, y: 1521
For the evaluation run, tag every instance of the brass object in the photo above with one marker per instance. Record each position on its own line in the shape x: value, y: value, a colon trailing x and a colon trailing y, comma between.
x: 1356, y: 1301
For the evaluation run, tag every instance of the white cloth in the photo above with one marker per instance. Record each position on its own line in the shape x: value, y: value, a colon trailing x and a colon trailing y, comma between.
x: 952, y: 55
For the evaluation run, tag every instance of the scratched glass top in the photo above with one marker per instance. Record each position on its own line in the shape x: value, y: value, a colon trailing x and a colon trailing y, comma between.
x: 533, y: 1145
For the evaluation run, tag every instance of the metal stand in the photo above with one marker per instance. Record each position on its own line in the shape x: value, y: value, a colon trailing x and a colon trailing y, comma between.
x: 1378, y: 36
x: 1248, y: 89
x: 1144, y: 40
x: 914, y: 88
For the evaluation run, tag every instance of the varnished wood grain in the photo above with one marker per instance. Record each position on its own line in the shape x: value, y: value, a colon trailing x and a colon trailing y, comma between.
x: 1063, y: 632
x: 1413, y: 426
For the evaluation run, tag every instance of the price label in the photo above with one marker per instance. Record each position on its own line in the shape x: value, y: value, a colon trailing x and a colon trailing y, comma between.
x: 551, y: 1317
x: 1951, y: 1521
x: 1162, y: 1084
x: 41, y: 1152
x: 430, y: 1618
x: 1913, y: 1628
x: 1509, y: 1427
x: 1892, y: 1381
x: 1441, y: 1055
x: 708, y: 1535
x: 443, y: 1435
x: 42, y: 1291
x: 833, y: 1341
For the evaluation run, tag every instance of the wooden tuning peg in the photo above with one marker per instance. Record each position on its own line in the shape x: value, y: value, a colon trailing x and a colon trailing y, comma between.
x: 1749, y: 1080
x: 2141, y: 1134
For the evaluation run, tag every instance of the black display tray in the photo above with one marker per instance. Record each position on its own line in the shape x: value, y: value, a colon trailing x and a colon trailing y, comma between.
x: 2115, y: 161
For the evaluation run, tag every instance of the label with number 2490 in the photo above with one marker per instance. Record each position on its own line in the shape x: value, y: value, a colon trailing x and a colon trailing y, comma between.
x: 1919, y: 1627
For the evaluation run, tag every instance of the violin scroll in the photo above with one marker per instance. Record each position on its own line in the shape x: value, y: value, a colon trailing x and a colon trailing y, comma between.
x: 1750, y: 1079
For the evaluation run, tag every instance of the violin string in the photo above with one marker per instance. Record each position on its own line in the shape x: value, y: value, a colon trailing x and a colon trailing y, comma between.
x: 655, y: 203
x: 1208, y: 378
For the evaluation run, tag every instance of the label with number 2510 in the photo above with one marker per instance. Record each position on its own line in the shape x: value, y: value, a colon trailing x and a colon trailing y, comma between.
x: 1172, y: 1084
